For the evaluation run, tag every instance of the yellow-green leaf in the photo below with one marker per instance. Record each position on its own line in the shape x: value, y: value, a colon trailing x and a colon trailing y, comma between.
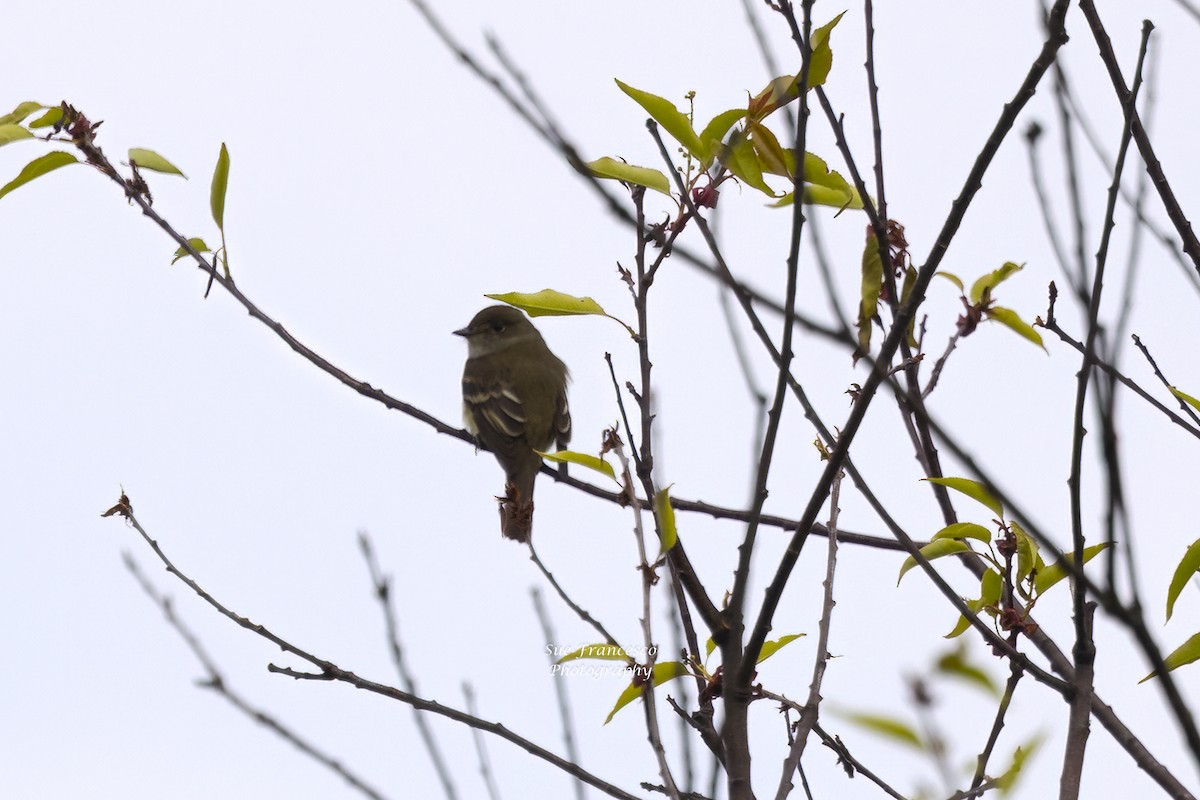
x: 714, y: 132
x: 21, y: 112
x: 39, y: 167
x: 1009, y: 319
x: 666, y: 671
x: 991, y: 586
x: 827, y: 187
x: 963, y: 623
x: 992, y: 280
x: 709, y: 646
x: 771, y: 154
x: 1188, y: 566
x: 13, y: 133
x: 1027, y: 551
x: 606, y: 167
x: 890, y: 727
x: 938, y: 549
x: 872, y: 285
x: 1187, y: 398
x: 673, y: 121
x: 1008, y: 779
x: 48, y: 119
x: 549, y: 303
x: 582, y: 459
x: 1186, y: 653
x: 955, y: 664
x: 665, y: 515
x: 972, y: 489
x: 950, y: 276
x: 773, y: 646
x: 822, y: 54
x: 220, y: 182
x: 964, y: 530
x: 197, y: 244
x: 148, y: 159
x: 1048, y: 576
x: 743, y: 162
x: 600, y: 652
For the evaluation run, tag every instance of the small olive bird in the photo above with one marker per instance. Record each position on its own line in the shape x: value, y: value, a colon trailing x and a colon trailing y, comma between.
x: 515, y: 403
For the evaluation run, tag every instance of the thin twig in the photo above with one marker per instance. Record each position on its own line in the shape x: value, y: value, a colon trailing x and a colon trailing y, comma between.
x: 560, y: 689
x: 217, y: 683
x: 808, y: 717
x: 485, y: 764
x: 649, y: 578
x: 328, y: 671
x: 578, y: 609
x: 382, y: 585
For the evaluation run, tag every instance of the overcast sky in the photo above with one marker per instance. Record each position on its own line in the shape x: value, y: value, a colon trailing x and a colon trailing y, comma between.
x: 377, y: 191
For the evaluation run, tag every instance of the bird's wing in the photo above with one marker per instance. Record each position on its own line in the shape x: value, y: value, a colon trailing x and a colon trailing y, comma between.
x: 496, y: 405
x: 562, y: 420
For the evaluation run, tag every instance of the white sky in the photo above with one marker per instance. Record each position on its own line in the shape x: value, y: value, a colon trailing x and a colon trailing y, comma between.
x: 377, y: 191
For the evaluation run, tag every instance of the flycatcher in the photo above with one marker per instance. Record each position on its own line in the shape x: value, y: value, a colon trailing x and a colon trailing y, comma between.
x: 514, y: 402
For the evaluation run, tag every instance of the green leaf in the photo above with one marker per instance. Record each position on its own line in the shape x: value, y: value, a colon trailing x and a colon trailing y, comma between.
x: 148, y: 159
x: 1188, y: 567
x: 714, y: 132
x: 606, y: 167
x: 890, y: 727
x: 773, y: 646
x: 39, y: 167
x: 1187, y: 398
x: 938, y: 549
x: 582, y: 459
x: 743, y: 162
x: 51, y: 117
x: 1048, y: 576
x: 197, y: 244
x: 991, y: 586
x: 1008, y: 318
x: 1008, y: 779
x: 972, y: 489
x: 709, y: 646
x: 662, y: 673
x: 822, y: 54
x: 220, y: 182
x: 963, y: 623
x: 964, y: 530
x: 950, y: 276
x: 1027, y: 551
x: 1186, y: 653
x: 955, y: 664
x: 872, y: 285
x: 21, y: 112
x: 599, y: 652
x: 665, y: 515
x: 773, y: 157
x: 993, y: 279
x: 672, y: 120
x: 549, y: 303
x: 828, y: 187
x: 13, y: 133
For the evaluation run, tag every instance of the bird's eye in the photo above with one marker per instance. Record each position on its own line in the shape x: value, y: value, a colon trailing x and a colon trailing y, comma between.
x: 498, y: 327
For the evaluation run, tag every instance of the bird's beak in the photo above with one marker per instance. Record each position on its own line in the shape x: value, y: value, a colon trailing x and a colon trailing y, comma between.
x: 464, y: 332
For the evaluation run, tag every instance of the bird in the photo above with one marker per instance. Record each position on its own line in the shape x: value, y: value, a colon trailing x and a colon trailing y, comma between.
x: 515, y: 404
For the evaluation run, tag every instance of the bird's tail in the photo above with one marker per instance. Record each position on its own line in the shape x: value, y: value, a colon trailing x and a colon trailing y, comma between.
x: 516, y: 507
